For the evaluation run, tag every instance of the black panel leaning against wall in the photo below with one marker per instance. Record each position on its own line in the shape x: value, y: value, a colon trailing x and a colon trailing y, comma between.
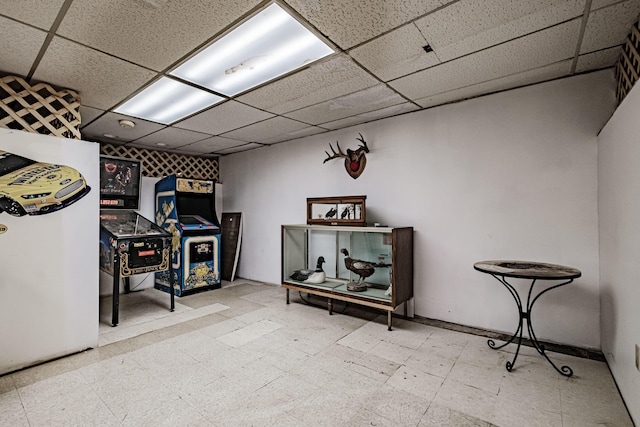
x: 159, y: 164
x: 628, y: 66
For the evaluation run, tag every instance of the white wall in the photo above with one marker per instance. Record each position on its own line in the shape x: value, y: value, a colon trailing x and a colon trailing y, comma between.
x: 507, y: 176
x: 619, y: 204
x: 49, y: 263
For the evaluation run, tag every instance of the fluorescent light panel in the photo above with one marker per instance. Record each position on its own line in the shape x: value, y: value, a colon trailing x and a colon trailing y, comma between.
x: 268, y: 45
x: 167, y: 101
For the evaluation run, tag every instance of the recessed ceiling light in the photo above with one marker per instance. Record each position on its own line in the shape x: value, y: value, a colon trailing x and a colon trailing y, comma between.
x: 268, y: 45
x: 167, y: 101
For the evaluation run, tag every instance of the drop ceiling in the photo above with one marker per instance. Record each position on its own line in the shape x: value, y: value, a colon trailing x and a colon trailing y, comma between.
x: 109, y: 50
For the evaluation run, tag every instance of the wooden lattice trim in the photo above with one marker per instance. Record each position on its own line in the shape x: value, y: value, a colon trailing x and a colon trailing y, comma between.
x: 39, y: 108
x: 159, y: 164
x: 627, y: 69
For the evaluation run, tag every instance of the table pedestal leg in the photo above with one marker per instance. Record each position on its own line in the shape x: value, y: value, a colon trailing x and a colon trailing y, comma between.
x: 524, y: 313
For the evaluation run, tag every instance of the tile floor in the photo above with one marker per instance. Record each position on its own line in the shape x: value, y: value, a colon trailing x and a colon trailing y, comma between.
x: 239, y: 356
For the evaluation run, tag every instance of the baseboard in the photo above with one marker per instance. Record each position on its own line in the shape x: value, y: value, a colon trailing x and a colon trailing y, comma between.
x: 557, y: 348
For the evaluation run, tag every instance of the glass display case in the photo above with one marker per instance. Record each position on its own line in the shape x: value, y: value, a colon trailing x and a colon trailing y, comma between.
x: 371, y: 266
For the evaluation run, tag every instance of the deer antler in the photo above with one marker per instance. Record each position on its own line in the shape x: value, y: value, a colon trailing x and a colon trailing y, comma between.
x: 336, y: 154
x: 364, y: 143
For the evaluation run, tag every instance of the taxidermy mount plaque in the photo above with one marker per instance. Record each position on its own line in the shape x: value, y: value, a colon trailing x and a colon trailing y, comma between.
x: 354, y: 160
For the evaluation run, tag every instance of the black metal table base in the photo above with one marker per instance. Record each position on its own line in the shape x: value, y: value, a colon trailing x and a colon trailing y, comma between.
x: 525, y: 314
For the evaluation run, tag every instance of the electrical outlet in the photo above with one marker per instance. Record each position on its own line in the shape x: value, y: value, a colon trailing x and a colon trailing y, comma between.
x: 638, y: 357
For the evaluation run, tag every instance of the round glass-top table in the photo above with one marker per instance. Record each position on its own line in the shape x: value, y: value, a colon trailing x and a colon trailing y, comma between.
x: 534, y: 271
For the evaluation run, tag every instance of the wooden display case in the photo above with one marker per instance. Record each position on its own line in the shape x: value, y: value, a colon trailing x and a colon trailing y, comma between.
x: 389, y: 248
x: 348, y: 210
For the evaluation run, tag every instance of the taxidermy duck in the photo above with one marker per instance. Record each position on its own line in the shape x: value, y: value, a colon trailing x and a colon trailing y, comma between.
x: 363, y: 269
x: 318, y: 276
x: 306, y: 274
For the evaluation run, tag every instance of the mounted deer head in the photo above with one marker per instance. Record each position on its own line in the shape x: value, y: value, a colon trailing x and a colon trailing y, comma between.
x: 354, y: 160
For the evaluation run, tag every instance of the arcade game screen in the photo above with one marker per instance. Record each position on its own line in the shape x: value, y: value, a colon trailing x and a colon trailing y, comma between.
x: 120, y: 183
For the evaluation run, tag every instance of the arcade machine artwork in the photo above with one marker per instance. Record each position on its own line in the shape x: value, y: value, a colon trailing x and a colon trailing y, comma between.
x: 186, y: 208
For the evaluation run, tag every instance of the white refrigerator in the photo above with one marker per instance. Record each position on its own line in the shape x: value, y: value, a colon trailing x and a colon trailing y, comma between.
x: 48, y: 251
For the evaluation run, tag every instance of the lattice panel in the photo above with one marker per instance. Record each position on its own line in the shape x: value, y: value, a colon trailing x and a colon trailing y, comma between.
x: 39, y: 108
x: 628, y: 66
x: 160, y: 163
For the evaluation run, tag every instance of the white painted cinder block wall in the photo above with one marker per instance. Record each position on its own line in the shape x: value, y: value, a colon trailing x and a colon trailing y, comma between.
x: 507, y: 176
x: 619, y: 210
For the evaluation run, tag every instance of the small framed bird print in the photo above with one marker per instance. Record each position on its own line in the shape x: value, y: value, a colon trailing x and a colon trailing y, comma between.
x: 348, y: 210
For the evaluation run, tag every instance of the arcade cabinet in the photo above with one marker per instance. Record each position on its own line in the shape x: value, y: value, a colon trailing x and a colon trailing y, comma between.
x: 185, y: 208
x: 129, y: 243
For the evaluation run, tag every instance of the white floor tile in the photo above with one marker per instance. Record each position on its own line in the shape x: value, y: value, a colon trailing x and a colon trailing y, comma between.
x: 244, y: 357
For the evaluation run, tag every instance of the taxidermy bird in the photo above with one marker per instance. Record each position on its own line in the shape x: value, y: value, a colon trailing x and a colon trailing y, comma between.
x: 363, y: 269
x: 332, y: 212
x: 345, y: 212
x: 305, y: 274
x: 318, y: 276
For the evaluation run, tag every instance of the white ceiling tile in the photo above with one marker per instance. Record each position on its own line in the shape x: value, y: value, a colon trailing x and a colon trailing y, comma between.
x: 597, y: 4
x: 239, y: 148
x: 395, y: 54
x: 295, y: 134
x: 600, y: 59
x: 471, y: 25
x: 480, y: 46
x: 223, y: 118
x: 212, y: 144
x: 108, y: 124
x: 539, y: 49
x: 549, y: 72
x: 266, y: 129
x: 20, y: 46
x: 38, y: 13
x: 154, y: 37
x: 373, y: 98
x: 348, y: 23
x: 171, y: 137
x: 88, y: 114
x: 609, y: 26
x: 110, y: 80
x: 394, y: 110
x: 321, y: 81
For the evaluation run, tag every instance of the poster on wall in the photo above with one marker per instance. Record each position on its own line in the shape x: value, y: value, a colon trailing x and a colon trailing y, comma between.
x: 28, y: 186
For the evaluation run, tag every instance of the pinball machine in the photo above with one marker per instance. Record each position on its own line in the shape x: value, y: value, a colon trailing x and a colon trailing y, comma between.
x: 129, y: 243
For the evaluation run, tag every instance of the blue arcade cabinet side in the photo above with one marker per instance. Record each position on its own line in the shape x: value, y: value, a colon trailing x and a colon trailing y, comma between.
x: 185, y: 207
